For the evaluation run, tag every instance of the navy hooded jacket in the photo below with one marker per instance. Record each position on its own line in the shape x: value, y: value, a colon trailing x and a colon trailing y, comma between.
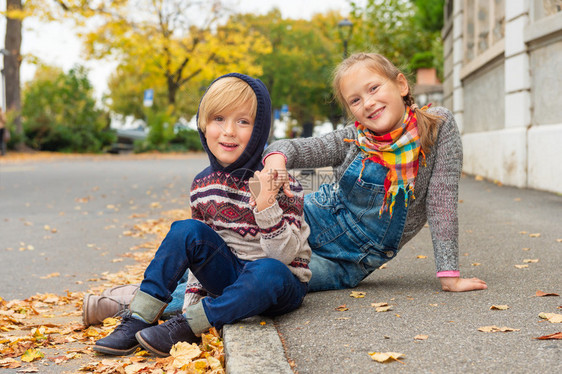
x: 250, y: 160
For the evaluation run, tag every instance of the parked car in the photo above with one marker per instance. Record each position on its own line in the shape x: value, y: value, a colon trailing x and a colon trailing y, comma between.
x: 126, y: 139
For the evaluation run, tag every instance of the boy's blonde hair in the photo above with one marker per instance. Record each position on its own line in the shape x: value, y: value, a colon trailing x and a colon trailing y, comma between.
x: 223, y: 94
x: 428, y: 124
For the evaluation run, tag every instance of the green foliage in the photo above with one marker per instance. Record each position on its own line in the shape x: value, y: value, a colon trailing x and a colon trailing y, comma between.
x: 429, y: 14
x: 422, y: 60
x: 59, y: 113
x: 297, y: 71
x: 408, y: 32
x: 161, y: 127
x: 186, y: 139
x: 163, y: 137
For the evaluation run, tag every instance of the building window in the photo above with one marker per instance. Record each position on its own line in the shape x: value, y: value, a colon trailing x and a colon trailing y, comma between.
x: 484, y: 26
x: 545, y: 8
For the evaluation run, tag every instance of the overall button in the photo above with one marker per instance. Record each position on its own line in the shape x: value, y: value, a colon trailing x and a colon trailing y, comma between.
x: 389, y: 254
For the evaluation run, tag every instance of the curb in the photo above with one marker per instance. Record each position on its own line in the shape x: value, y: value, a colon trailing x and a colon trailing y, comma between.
x: 253, y: 348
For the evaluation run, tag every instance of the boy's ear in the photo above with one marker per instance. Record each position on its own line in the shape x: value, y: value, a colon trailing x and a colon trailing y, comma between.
x: 402, y: 83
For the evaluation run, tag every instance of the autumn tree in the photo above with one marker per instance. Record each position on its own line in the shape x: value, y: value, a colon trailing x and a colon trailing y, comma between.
x: 297, y: 71
x: 169, y: 43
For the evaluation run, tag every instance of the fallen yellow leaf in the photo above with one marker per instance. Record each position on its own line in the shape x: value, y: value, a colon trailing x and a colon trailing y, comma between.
x: 476, y: 264
x: 357, y: 294
x: 421, y: 337
x: 383, y: 309
x: 32, y: 354
x: 142, y: 353
x: 531, y: 260
x: 421, y: 256
x: 183, y: 353
x: 90, y: 332
x: 496, y: 329
x: 536, y: 235
x: 110, y: 321
x: 551, y: 317
x: 521, y: 266
x: 52, y: 275
x: 263, y: 323
x: 386, y: 356
x: 499, y: 307
x: 342, y: 308
x: 376, y: 305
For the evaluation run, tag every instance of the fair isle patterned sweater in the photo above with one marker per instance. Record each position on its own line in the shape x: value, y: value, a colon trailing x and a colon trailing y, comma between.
x: 222, y: 202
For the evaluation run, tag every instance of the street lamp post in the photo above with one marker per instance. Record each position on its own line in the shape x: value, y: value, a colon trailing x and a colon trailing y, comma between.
x: 345, y: 28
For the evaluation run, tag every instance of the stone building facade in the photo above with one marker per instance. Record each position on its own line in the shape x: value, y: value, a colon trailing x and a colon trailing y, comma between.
x: 503, y: 82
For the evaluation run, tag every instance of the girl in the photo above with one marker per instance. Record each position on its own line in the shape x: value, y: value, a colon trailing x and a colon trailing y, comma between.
x: 397, y: 167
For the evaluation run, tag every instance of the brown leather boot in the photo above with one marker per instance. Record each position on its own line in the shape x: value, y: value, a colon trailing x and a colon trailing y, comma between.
x: 123, y: 290
x: 97, y: 308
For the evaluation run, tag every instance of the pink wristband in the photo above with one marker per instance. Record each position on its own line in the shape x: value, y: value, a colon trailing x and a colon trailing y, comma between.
x: 448, y: 274
x: 273, y: 153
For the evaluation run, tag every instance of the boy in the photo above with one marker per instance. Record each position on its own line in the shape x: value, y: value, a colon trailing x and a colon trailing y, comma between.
x: 255, y: 259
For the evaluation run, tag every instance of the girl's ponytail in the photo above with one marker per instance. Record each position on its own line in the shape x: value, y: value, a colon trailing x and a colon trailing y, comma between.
x: 428, y: 124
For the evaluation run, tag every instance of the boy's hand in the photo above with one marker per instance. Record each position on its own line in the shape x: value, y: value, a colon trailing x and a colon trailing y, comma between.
x: 276, y: 163
x: 264, y: 187
x: 456, y: 284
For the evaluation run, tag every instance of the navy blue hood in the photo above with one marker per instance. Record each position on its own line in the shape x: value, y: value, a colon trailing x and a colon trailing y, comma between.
x: 250, y: 160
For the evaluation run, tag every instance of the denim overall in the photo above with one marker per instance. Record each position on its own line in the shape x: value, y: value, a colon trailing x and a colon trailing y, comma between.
x: 349, y: 239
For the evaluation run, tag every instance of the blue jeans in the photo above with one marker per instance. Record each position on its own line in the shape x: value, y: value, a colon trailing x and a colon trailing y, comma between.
x: 348, y: 237
x: 244, y: 288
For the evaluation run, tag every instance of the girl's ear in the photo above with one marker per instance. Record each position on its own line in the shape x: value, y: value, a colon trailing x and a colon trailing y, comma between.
x: 402, y: 84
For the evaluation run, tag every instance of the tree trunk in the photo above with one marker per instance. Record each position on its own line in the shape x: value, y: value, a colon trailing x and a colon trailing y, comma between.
x: 172, y: 90
x: 12, y: 62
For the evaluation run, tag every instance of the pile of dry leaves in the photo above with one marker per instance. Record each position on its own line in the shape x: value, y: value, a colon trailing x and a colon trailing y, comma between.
x: 47, y: 329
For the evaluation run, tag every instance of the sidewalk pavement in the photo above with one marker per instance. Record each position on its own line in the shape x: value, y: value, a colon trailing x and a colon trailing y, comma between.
x: 436, y: 331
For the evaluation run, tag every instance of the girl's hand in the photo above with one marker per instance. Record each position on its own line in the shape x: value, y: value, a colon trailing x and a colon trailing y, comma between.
x: 462, y: 284
x: 275, y: 163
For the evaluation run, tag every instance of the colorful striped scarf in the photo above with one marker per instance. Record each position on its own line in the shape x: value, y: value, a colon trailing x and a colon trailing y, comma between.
x: 398, y: 151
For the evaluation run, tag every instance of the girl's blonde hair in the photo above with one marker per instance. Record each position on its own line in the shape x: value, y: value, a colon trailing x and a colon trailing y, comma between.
x: 428, y: 124
x: 223, y: 94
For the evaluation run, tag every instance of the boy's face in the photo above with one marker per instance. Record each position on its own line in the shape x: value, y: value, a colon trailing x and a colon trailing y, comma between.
x: 229, y: 132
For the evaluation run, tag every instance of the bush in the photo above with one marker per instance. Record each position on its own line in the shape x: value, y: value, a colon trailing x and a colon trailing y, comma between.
x: 59, y: 113
x: 187, y: 139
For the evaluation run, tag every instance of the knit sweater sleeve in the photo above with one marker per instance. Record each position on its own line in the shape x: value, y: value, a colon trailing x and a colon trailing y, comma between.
x: 281, y: 226
x: 316, y: 152
x: 442, y: 196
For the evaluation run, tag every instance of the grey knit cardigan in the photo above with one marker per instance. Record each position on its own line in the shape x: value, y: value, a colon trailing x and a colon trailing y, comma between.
x: 436, y: 186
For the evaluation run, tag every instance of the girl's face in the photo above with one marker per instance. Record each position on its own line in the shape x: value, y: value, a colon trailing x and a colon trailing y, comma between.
x: 228, y: 133
x: 375, y: 100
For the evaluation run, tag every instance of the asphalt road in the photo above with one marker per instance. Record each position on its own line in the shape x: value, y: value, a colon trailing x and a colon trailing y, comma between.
x: 89, y: 202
